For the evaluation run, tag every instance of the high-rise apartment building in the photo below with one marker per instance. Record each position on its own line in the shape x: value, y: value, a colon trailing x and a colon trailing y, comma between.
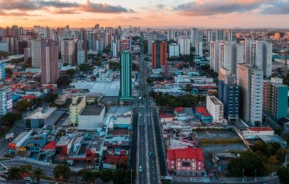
x: 221, y: 34
x: 91, y: 41
x: 174, y: 50
x: 184, y: 43
x: 171, y: 34
x: 250, y: 81
x: 125, y: 74
x: 49, y: 62
x: 36, y: 53
x: 6, y: 100
x: 4, y: 46
x: 229, y: 35
x: 275, y: 98
x: 209, y: 36
x: 195, y: 36
x: 214, y: 55
x: 151, y: 38
x: 78, y: 103
x: 159, y: 54
x: 229, y: 94
x: 81, y: 57
x: 21, y: 45
x: 68, y: 51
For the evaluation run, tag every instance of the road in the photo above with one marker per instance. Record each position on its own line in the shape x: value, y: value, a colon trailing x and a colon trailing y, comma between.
x: 147, y: 148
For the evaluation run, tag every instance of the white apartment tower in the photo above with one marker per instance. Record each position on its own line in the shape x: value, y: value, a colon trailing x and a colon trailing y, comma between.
x: 184, y: 45
x: 216, y: 108
x: 171, y: 34
x: 36, y: 53
x: 250, y: 80
x: 174, y: 50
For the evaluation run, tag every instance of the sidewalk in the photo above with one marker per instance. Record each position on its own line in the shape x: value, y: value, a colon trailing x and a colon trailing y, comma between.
x: 247, y: 179
x: 190, y: 179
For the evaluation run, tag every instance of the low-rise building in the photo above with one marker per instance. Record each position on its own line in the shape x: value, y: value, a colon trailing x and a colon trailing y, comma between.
x: 186, y: 162
x: 216, y: 108
x: 90, y: 117
x: 78, y: 103
x: 42, y: 116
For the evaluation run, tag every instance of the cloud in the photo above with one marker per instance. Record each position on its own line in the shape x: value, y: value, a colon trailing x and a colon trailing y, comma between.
x: 31, y: 5
x: 276, y: 7
x: 215, y: 7
x: 14, y: 14
x: 160, y: 6
x: 64, y: 11
x: 155, y: 16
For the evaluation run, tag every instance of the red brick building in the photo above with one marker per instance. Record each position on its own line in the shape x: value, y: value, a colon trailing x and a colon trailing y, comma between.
x: 159, y: 54
x: 187, y: 162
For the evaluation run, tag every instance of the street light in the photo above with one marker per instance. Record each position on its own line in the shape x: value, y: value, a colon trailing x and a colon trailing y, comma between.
x: 255, y: 175
x: 243, y: 176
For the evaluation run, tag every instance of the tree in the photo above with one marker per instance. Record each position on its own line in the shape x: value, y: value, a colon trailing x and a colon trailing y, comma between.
x: 123, y: 176
x: 37, y: 173
x: 10, y: 118
x: 22, y: 105
x: 88, y: 176
x: 283, y: 174
x: 188, y: 88
x: 273, y: 162
x: 61, y: 171
x: 84, y: 67
x: 105, y: 176
x: 70, y: 72
x: 14, y: 174
x: 25, y: 168
x: 8, y: 72
x: 65, y: 64
x: 149, y: 81
x: 50, y: 97
x: 63, y: 81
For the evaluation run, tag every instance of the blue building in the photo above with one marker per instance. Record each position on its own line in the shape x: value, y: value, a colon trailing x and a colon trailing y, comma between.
x: 229, y: 94
x: 2, y: 69
x: 125, y: 74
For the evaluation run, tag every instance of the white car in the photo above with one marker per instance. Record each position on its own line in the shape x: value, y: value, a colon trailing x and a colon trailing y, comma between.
x: 27, y: 179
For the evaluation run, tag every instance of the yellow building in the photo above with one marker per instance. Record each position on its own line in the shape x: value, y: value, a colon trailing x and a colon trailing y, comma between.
x: 78, y: 103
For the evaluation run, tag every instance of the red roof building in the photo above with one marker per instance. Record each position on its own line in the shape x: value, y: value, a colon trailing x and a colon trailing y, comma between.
x: 49, y: 146
x: 187, y: 162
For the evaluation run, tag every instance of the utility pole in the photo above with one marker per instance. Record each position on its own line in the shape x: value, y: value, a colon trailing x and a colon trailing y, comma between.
x: 243, y: 176
x: 255, y: 175
x: 131, y: 176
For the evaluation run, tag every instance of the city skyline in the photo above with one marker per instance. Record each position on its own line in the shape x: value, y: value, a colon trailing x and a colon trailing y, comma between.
x: 147, y: 13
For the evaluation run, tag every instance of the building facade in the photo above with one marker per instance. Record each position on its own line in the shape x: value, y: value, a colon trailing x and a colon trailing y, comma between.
x: 215, y: 108
x: 125, y: 74
x: 185, y: 48
x: 159, y: 54
x: 275, y: 99
x: 78, y: 103
x: 229, y: 94
x: 6, y: 100
x: 68, y: 51
x: 250, y: 80
x: 36, y: 53
x: 174, y: 50
x: 186, y: 162
x: 49, y: 62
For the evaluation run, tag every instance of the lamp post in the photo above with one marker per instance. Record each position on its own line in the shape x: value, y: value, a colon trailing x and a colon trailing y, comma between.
x: 255, y: 175
x: 243, y: 176
x: 131, y: 176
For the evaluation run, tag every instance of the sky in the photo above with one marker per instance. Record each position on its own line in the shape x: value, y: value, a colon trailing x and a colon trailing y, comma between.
x: 145, y: 13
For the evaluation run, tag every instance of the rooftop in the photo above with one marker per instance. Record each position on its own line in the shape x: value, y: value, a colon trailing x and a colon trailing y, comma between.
x: 41, y: 113
x: 260, y: 129
x: 64, y: 140
x: 189, y: 153
x: 19, y: 137
x: 91, y: 110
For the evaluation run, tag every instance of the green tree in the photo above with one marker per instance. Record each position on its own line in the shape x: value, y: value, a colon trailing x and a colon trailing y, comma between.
x: 10, y: 118
x: 84, y: 67
x: 22, y: 105
x: 188, y: 88
x: 70, y: 72
x: 14, y: 174
x: 61, y: 171
x: 273, y: 162
x: 106, y: 176
x: 50, y: 97
x: 37, y: 173
x: 88, y: 176
x: 283, y: 174
x: 63, y: 81
x: 149, y: 81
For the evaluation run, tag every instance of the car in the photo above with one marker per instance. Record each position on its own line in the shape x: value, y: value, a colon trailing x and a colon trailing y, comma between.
x: 140, y: 168
x: 150, y: 154
x: 27, y: 179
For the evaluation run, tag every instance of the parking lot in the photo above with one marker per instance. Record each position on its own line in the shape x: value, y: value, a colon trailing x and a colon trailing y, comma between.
x: 216, y: 134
